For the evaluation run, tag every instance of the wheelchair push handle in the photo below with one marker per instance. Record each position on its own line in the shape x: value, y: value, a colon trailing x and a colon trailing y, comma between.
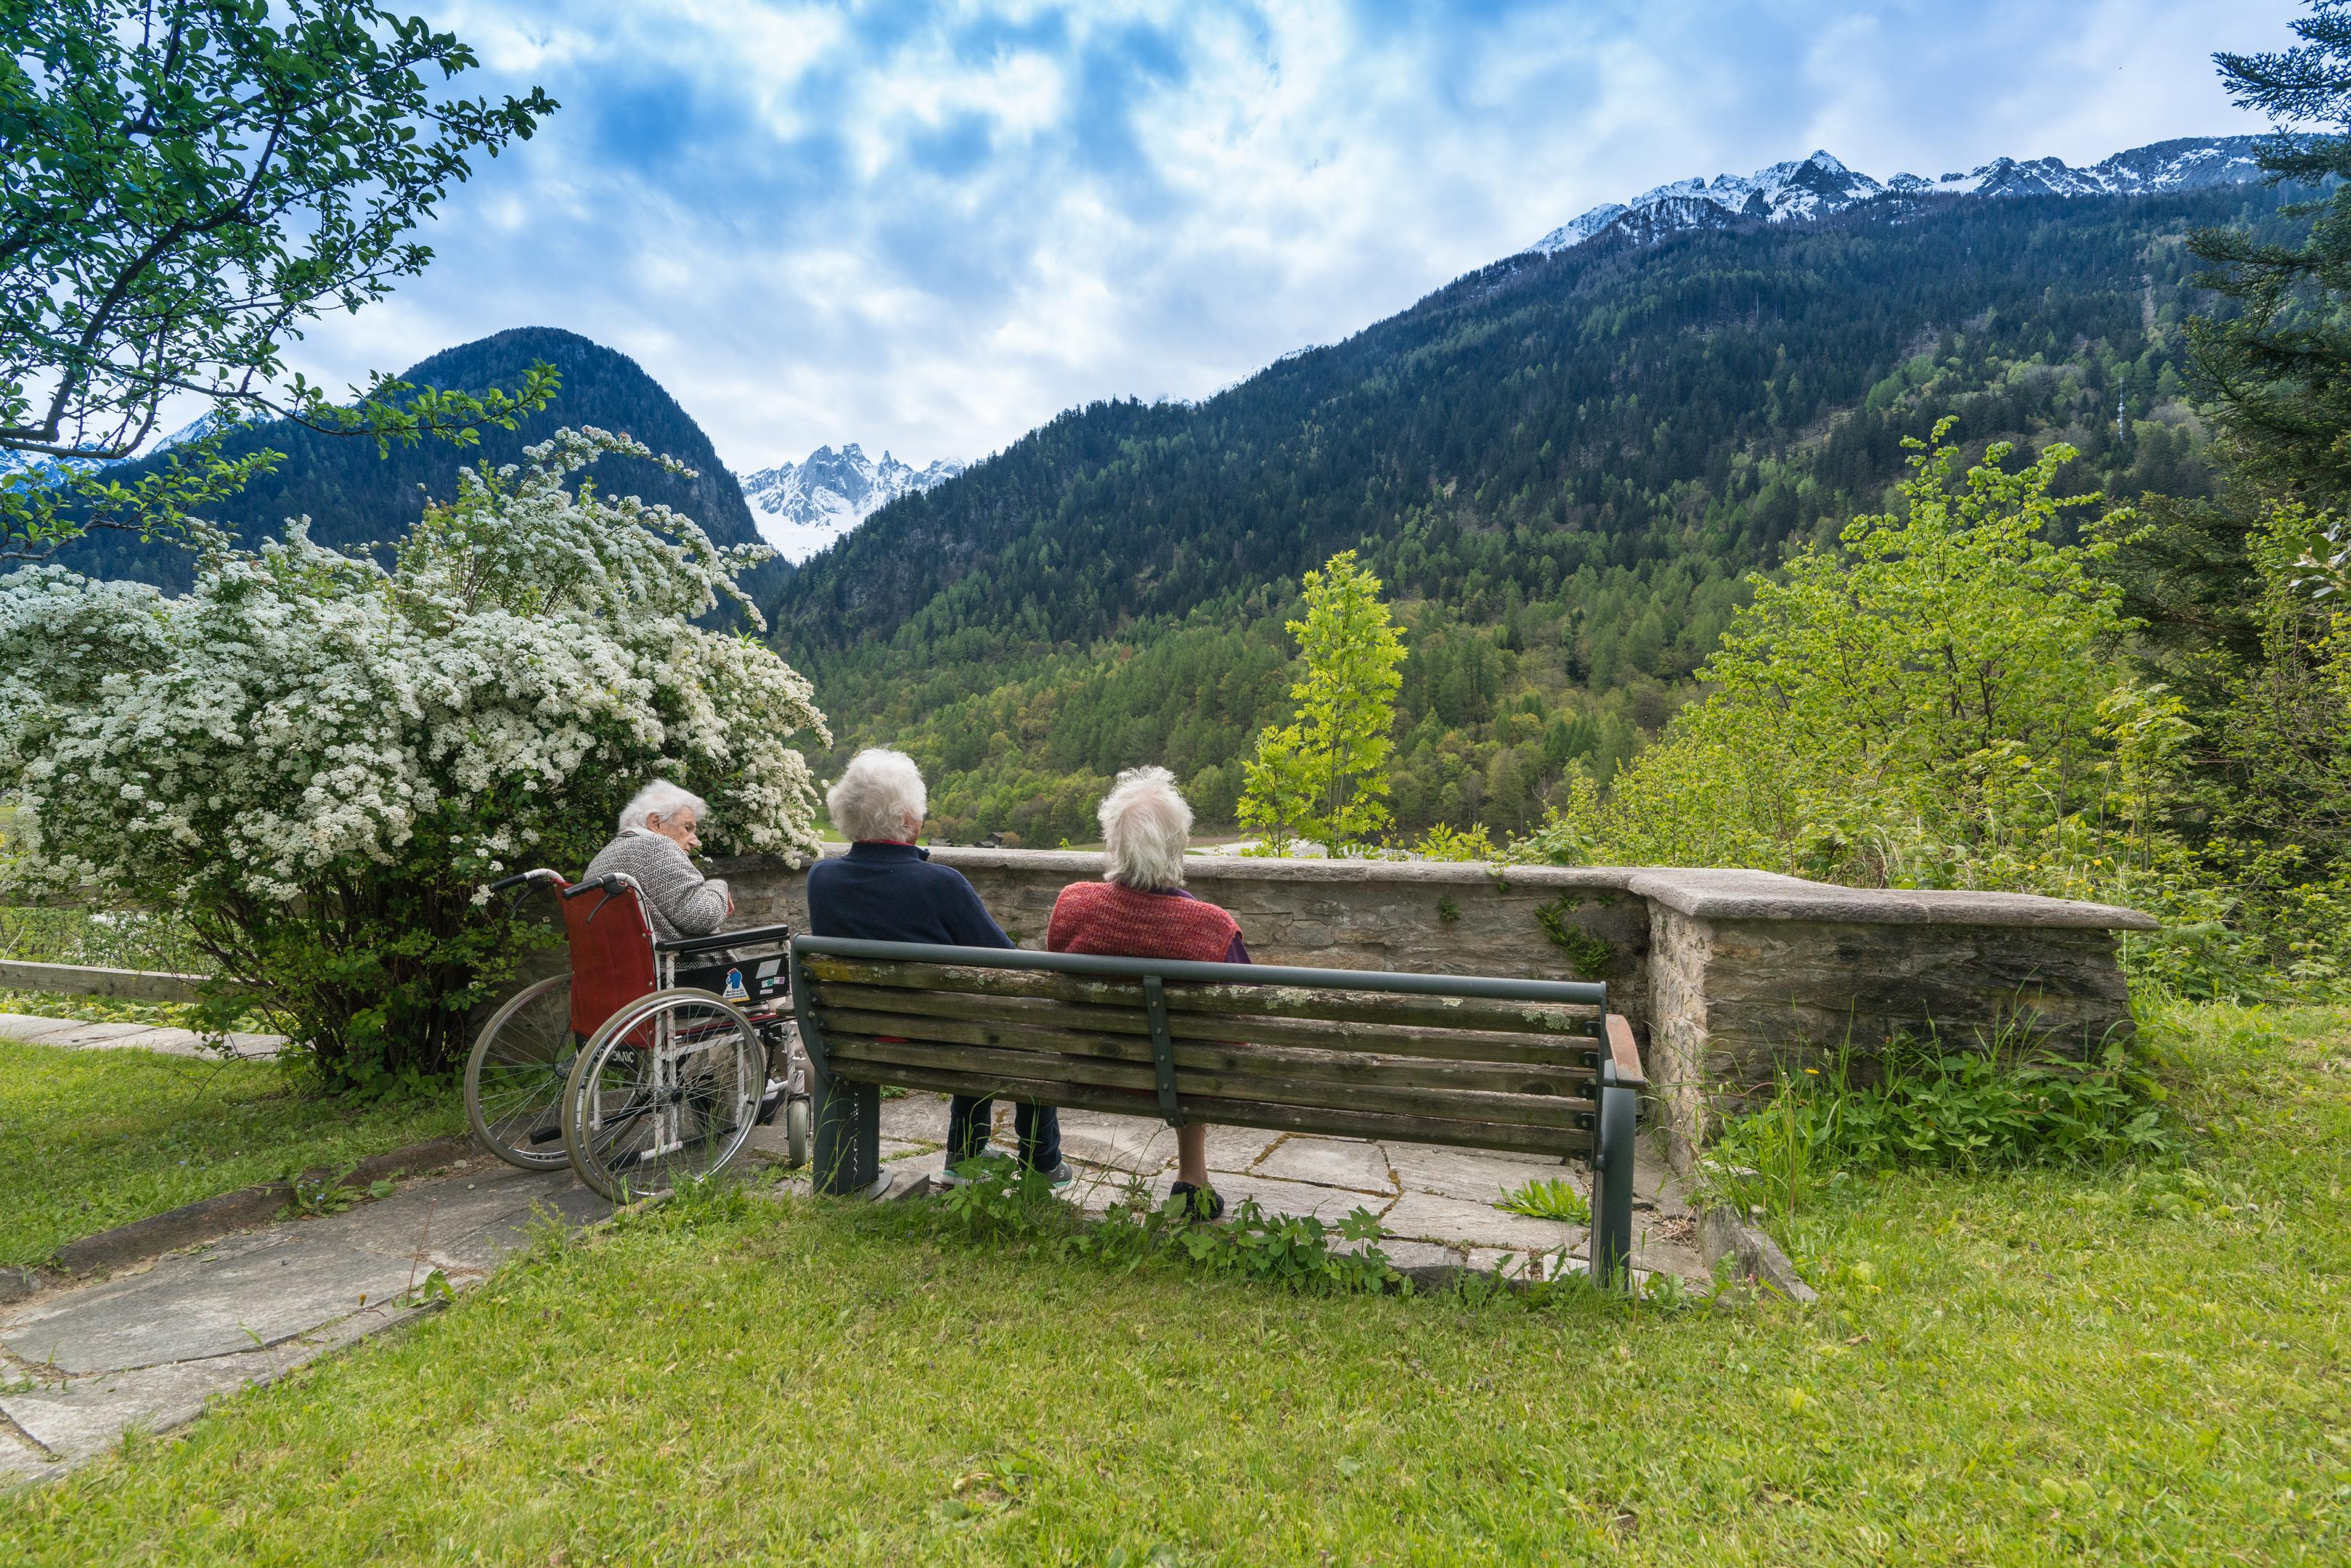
x: 610, y: 884
x: 541, y: 874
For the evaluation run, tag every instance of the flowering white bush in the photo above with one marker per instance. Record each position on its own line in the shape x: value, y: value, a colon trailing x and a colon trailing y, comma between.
x: 322, y: 763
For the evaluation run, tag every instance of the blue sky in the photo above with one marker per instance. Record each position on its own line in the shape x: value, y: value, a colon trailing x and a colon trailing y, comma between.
x: 931, y: 227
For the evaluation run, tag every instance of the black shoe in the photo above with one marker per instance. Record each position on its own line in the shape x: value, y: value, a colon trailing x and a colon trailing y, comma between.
x: 1199, y: 1202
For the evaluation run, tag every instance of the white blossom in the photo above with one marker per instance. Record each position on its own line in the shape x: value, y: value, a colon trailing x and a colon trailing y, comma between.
x: 302, y: 716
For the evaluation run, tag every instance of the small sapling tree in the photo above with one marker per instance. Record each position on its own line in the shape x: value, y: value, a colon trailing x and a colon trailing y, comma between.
x: 1324, y: 775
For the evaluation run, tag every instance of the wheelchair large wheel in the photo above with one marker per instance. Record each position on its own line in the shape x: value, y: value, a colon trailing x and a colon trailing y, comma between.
x: 666, y: 1092
x: 515, y: 1075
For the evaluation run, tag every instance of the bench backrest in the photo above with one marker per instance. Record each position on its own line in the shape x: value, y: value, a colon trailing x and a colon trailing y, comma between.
x: 1437, y: 1059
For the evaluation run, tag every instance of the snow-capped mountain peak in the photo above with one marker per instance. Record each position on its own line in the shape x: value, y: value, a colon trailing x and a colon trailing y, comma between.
x: 1821, y: 185
x: 802, y: 508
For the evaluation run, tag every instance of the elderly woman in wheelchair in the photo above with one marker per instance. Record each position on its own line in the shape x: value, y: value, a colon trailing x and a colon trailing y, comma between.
x: 665, y: 1042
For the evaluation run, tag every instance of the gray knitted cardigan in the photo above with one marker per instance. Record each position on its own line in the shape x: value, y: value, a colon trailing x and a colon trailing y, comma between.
x: 679, y: 900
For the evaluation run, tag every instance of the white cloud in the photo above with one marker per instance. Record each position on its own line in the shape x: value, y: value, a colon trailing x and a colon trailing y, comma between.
x: 931, y: 231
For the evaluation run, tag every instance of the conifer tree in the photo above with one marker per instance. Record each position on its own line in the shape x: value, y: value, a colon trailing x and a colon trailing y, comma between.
x: 2279, y: 369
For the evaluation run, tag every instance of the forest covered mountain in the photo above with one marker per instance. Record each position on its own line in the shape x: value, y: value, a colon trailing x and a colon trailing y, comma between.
x: 1562, y: 465
x: 355, y: 498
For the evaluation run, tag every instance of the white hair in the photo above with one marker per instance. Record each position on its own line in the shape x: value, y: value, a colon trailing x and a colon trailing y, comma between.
x: 1145, y: 825
x: 664, y: 799
x: 876, y: 795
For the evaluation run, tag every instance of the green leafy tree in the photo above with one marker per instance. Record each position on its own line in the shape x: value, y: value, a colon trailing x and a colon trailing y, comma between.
x: 1277, y: 796
x: 1921, y: 705
x: 189, y: 182
x: 1327, y: 772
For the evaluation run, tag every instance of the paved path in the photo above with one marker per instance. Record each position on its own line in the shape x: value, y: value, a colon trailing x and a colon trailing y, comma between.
x: 142, y: 1036
x: 150, y: 1346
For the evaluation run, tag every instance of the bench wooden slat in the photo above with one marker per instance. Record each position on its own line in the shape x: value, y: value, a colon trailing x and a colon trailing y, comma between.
x: 1559, y: 1020
x: 1278, y: 1117
x: 1228, y: 1057
x: 845, y: 1043
x: 1575, y: 1054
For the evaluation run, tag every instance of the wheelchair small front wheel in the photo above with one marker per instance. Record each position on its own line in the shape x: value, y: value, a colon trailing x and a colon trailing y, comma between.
x: 515, y: 1074
x: 798, y: 1123
x: 667, y: 1091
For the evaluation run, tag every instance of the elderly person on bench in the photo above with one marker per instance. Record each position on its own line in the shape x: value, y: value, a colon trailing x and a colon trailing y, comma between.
x: 659, y: 828
x: 885, y: 890
x: 1140, y: 910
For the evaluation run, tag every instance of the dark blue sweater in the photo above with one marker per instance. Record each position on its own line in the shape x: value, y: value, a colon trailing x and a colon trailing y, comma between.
x: 890, y: 893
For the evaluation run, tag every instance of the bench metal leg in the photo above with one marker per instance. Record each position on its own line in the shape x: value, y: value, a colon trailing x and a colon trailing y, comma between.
x: 848, y: 1136
x: 1612, y: 1185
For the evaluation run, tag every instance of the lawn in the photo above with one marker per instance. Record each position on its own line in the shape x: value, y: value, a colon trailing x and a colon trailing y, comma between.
x: 2134, y: 1367
x: 91, y: 1139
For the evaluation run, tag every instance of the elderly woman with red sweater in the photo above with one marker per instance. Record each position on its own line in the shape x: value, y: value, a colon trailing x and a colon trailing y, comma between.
x: 1140, y: 910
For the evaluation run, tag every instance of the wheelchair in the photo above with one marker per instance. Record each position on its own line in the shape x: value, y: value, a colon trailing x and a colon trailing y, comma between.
x: 649, y: 1061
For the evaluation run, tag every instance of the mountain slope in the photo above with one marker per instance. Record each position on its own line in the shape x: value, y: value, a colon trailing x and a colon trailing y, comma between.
x: 1562, y: 463
x: 355, y: 499
x: 802, y: 508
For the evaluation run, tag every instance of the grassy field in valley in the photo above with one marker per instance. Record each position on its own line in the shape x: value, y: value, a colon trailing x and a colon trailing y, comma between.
x: 2140, y: 1367
x: 91, y: 1139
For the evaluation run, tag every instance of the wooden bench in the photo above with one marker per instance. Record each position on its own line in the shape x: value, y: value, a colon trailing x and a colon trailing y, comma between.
x: 1536, y: 1067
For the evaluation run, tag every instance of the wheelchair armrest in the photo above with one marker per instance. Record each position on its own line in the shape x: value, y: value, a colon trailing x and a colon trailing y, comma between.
x: 718, y: 941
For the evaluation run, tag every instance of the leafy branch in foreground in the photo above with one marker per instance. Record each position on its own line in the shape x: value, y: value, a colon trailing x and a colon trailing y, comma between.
x: 190, y: 181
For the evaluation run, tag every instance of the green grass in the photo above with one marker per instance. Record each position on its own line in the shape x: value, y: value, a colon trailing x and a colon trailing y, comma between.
x: 92, y: 1139
x: 2027, y: 1368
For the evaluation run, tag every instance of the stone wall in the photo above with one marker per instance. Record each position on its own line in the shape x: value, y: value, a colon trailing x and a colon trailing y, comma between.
x: 1726, y: 976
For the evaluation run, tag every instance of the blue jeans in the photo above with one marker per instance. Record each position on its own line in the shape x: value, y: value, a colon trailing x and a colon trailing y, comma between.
x: 1039, y: 1126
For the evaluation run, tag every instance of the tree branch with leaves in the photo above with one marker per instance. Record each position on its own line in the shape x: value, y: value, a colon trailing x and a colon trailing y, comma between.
x: 189, y: 182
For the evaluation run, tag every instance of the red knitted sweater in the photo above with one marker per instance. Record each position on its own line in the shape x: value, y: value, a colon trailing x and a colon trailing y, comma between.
x: 1104, y: 917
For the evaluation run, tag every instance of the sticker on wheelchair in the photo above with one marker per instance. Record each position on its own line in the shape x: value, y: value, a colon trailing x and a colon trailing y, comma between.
x: 734, y: 991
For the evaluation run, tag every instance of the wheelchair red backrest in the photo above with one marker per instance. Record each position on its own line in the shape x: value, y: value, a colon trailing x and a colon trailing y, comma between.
x: 611, y: 954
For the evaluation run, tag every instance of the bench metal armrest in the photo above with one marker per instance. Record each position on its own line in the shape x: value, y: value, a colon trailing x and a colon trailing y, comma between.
x: 1624, y: 1054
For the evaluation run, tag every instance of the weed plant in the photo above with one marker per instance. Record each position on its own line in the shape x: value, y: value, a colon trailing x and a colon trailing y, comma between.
x: 1006, y: 1203
x: 2004, y: 1107
x: 1553, y: 1200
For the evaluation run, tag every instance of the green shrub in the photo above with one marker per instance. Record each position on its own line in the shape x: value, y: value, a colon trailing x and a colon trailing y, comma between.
x: 1965, y: 1110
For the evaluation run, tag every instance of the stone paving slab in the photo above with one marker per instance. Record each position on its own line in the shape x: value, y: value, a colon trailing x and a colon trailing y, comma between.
x: 1349, y: 1163
x: 99, y: 1033
x: 216, y: 1301
x: 1238, y: 1148
x: 148, y: 1348
x: 1427, y: 1216
x: 81, y: 1419
x: 83, y: 1035
x: 1473, y: 1176
x: 30, y: 1027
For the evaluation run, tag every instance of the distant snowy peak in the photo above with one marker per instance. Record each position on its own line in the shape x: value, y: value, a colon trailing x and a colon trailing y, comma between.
x: 1819, y: 185
x: 802, y: 508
